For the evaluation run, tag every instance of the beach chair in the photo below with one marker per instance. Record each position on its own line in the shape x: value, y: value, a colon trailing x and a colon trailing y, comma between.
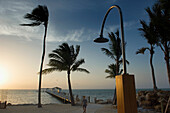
x: 3, y: 105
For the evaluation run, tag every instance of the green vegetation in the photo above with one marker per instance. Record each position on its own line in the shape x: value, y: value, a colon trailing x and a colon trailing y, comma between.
x: 114, y: 52
x: 158, y: 32
x: 39, y: 16
x: 160, y: 16
x: 148, y: 32
x: 64, y: 58
x: 111, y: 70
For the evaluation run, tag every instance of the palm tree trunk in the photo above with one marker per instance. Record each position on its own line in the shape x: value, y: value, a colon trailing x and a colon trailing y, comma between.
x: 70, y: 89
x: 115, y: 97
x: 117, y: 66
x: 152, y: 69
x: 168, y: 69
x: 167, y: 60
x: 42, y: 61
x: 117, y: 71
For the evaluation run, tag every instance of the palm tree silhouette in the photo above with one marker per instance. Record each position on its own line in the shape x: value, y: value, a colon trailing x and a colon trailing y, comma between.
x: 115, y: 53
x: 39, y: 16
x: 115, y: 49
x: 111, y: 70
x: 64, y: 58
x: 149, y: 33
x: 160, y: 16
x: 112, y: 74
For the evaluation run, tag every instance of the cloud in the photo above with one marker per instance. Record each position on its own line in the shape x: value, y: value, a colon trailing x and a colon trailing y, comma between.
x: 131, y: 25
x: 127, y: 26
x: 12, y: 13
x: 73, y: 35
x: 79, y: 5
x: 77, y: 35
x: 11, y: 16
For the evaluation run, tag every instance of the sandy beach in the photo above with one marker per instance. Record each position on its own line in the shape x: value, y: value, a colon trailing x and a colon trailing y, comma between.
x: 58, y: 108
x: 61, y: 108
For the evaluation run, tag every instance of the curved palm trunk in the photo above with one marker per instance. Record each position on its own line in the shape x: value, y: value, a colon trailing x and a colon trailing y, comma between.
x: 70, y: 89
x: 152, y: 69
x: 115, y: 97
x: 117, y: 66
x: 168, y: 68
x: 167, y: 60
x: 117, y: 71
x: 42, y: 61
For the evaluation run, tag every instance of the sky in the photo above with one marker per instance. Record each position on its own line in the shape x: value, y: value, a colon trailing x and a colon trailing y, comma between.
x: 77, y: 22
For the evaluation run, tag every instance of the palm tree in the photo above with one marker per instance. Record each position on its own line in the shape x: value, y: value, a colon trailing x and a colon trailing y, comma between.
x: 160, y: 16
x: 149, y: 33
x: 115, y: 52
x: 112, y: 71
x: 64, y: 58
x: 112, y: 74
x: 39, y: 16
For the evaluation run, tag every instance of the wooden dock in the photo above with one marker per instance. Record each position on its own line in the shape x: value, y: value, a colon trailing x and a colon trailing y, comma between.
x: 62, y: 96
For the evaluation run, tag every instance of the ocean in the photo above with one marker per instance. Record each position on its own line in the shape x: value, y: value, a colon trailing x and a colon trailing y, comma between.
x: 31, y: 96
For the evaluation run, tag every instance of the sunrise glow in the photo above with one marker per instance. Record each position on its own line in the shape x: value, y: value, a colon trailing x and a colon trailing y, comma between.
x: 3, y: 76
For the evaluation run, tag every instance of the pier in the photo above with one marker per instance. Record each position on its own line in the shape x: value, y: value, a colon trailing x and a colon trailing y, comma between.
x: 62, y: 96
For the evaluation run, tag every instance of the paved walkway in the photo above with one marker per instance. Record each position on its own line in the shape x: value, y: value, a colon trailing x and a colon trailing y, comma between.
x: 95, y: 108
x: 59, y: 108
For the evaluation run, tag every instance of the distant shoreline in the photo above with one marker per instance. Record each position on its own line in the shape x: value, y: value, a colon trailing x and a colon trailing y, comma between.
x: 30, y: 97
x: 92, y: 89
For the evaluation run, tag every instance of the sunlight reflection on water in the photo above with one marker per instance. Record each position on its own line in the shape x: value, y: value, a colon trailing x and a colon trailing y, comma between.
x: 26, y: 97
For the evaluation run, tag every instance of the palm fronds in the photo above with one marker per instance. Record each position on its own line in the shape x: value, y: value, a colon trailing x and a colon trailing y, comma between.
x: 39, y: 15
x: 82, y: 70
x: 112, y: 71
x: 142, y: 50
x: 64, y: 58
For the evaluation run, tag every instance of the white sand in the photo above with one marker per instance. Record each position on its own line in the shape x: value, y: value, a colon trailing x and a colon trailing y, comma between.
x: 61, y: 108
x: 58, y: 108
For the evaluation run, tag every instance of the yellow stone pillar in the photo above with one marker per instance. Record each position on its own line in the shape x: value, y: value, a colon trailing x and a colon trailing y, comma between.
x: 126, y: 94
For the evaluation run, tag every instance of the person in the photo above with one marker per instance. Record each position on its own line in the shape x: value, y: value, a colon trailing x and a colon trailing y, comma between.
x: 77, y: 98
x: 84, y: 103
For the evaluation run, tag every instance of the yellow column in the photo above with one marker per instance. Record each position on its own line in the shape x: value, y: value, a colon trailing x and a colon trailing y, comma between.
x: 126, y: 94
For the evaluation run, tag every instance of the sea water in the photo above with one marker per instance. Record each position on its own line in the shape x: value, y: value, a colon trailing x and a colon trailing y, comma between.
x: 103, y: 94
x: 26, y: 97
x: 31, y: 96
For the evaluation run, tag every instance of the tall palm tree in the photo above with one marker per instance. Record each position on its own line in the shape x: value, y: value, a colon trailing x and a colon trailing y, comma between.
x: 39, y: 16
x: 160, y: 16
x: 149, y: 33
x: 112, y: 74
x: 64, y: 58
x: 114, y: 52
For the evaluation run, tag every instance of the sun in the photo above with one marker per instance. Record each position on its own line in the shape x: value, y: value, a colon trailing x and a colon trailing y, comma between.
x: 3, y: 76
